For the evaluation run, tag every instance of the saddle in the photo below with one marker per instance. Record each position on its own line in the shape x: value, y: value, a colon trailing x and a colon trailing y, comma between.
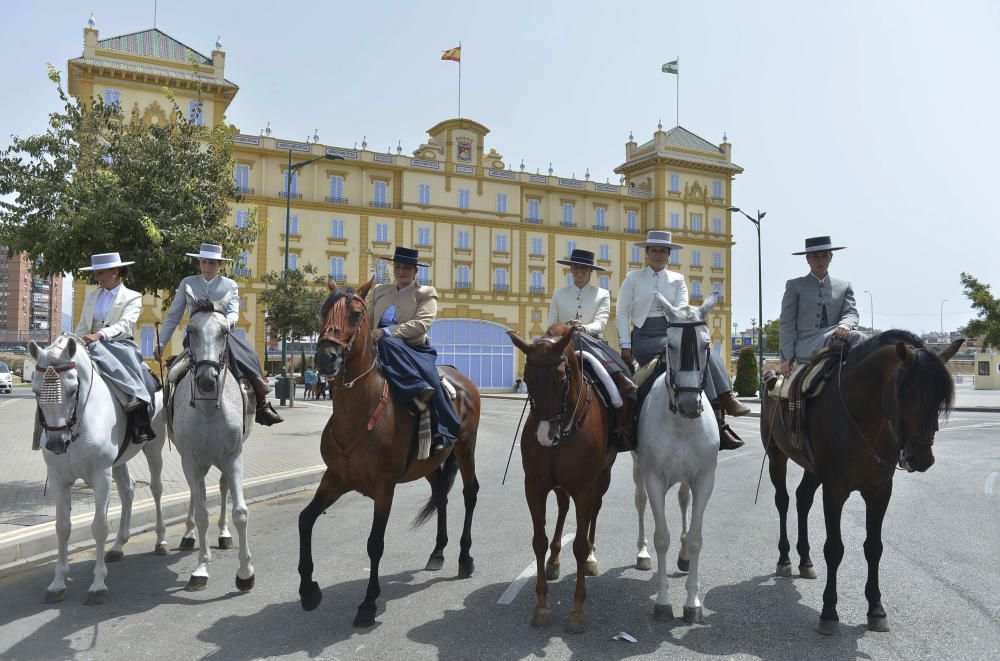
x: 644, y: 378
x: 804, y: 383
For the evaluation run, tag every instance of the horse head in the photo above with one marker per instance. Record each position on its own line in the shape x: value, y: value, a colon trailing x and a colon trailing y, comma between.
x: 688, y: 344
x: 345, y: 320
x: 56, y: 384
x: 924, y: 390
x: 551, y: 372
x: 208, y: 337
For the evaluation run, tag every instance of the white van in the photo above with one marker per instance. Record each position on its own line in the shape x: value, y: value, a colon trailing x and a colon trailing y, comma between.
x: 6, y: 380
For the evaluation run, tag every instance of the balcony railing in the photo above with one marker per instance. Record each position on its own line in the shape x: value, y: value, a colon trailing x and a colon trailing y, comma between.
x: 601, y: 228
x: 500, y: 287
x: 381, y: 279
x: 380, y: 205
x: 336, y: 200
x: 244, y: 190
x: 425, y: 282
x: 533, y: 221
x: 295, y: 196
x: 242, y: 271
x: 567, y: 223
x: 632, y: 230
x: 538, y: 290
x: 463, y: 285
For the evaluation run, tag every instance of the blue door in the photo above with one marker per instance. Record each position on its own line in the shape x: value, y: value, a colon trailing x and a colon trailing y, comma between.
x: 479, y: 349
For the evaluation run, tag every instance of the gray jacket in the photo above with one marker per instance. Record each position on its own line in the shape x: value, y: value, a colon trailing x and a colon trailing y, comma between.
x: 215, y: 290
x: 801, y: 335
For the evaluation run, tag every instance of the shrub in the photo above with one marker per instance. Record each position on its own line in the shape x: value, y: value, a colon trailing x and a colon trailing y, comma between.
x: 747, y: 379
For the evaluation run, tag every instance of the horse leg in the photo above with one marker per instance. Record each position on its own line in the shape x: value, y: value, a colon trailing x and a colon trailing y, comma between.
x: 583, y: 501
x: 154, y: 458
x: 234, y: 476
x: 56, y: 591
x: 126, y: 494
x: 552, y: 565
x: 657, y: 490
x: 436, y: 561
x: 642, y: 560
x: 327, y: 494
x: 101, y: 482
x: 684, y: 502
x: 470, y: 493
x: 195, y: 475
x: 701, y: 491
x: 536, y: 496
x: 833, y: 551
x: 225, y: 488
x: 603, y: 482
x: 187, y: 539
x: 876, y: 502
x: 777, y: 467
x: 803, y: 503
x: 376, y: 546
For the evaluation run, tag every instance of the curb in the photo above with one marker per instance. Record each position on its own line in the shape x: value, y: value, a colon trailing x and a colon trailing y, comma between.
x: 37, y: 544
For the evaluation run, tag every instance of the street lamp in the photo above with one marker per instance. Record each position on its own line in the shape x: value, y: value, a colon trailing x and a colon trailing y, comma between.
x: 288, y: 219
x: 760, y: 290
x: 871, y: 306
x: 942, y: 315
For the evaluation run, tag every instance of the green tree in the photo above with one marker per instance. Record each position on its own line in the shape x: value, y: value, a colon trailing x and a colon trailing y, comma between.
x: 292, y: 304
x: 987, y: 309
x: 97, y: 181
x: 747, y: 380
x: 771, y: 336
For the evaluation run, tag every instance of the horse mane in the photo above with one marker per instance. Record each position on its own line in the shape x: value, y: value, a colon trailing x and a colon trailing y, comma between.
x: 336, y: 295
x: 202, y: 305
x: 863, y: 350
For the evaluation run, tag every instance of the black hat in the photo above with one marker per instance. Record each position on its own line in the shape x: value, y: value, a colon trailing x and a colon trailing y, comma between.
x: 581, y: 258
x: 406, y: 256
x: 818, y: 244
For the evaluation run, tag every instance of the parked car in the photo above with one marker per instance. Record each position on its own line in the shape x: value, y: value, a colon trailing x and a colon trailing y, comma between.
x: 6, y: 380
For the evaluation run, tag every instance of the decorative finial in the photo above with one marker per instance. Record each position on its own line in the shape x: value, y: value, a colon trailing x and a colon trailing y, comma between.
x: 315, y: 136
x: 550, y: 168
x: 607, y: 180
x: 364, y: 142
x: 218, y: 42
x: 630, y: 138
x: 522, y: 165
x: 659, y: 124
x: 388, y: 150
x: 587, y: 174
x: 355, y: 144
x: 399, y: 146
x: 724, y: 138
x: 537, y: 170
x: 621, y: 180
x: 267, y: 130
x: 91, y: 23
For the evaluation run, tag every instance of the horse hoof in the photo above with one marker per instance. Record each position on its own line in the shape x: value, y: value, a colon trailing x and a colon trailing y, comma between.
x: 542, y: 617
x: 878, y: 623
x: 465, y: 568
x: 783, y: 570
x: 244, y: 584
x: 552, y: 571
x: 225, y: 543
x: 196, y: 583
x: 829, y: 627
x: 161, y: 549
x: 683, y: 563
x: 591, y: 568
x: 643, y: 564
x: 187, y: 543
x: 663, y: 612
x: 310, y: 596
x: 434, y: 563
x: 114, y: 556
x: 694, y: 615
x: 56, y: 597
x: 96, y: 598
x: 807, y: 571
x: 577, y: 623
x: 365, y: 617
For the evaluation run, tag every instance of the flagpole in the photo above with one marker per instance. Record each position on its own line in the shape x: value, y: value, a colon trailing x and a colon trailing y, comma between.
x: 460, y: 80
x: 677, y: 100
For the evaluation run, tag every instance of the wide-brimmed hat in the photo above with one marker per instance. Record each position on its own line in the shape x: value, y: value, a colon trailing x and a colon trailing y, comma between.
x: 209, y: 251
x: 658, y: 238
x: 105, y: 260
x: 405, y: 256
x: 819, y: 244
x: 581, y: 258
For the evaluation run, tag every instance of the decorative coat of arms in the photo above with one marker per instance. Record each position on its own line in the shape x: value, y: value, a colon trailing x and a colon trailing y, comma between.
x: 465, y: 150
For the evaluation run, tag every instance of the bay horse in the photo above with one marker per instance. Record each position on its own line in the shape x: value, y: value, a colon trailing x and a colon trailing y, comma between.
x: 367, y: 446
x: 880, y: 408
x: 564, y: 448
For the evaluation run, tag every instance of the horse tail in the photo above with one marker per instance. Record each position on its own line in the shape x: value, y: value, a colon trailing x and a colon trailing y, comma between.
x: 439, y: 493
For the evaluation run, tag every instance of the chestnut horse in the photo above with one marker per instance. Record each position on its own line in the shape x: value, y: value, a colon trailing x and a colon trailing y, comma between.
x: 564, y: 447
x: 880, y: 408
x: 368, y: 447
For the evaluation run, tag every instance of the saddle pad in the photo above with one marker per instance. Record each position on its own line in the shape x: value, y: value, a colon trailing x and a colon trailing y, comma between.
x: 448, y: 387
x: 812, y: 381
x: 607, y: 387
x: 645, y: 372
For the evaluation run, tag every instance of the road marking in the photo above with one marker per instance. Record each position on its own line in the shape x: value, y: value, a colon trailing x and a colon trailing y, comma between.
x: 529, y: 573
x: 975, y: 426
x: 326, y: 406
x: 991, y: 483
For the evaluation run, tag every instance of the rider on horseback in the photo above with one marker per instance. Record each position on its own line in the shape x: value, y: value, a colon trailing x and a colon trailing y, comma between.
x: 404, y: 312
x: 243, y: 362
x: 109, y: 314
x: 586, y: 308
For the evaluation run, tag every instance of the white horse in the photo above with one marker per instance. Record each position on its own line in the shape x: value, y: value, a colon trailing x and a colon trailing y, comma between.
x: 84, y: 429
x: 209, y: 428
x: 679, y: 442
x: 642, y: 559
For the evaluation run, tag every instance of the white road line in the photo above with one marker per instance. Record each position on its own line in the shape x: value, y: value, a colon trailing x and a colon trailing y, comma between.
x: 975, y: 426
x: 529, y: 573
x: 991, y: 483
x: 734, y: 456
x: 327, y: 406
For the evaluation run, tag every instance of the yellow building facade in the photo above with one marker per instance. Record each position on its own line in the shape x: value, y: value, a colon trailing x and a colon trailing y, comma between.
x: 491, y: 233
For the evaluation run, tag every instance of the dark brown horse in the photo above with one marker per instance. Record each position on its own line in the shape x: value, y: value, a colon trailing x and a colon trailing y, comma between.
x: 564, y: 447
x: 368, y: 447
x: 881, y: 408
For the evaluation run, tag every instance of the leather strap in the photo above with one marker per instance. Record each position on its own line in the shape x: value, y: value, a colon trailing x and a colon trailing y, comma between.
x: 346, y: 451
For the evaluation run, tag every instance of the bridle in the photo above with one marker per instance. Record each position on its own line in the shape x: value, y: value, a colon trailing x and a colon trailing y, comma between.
x: 219, y: 364
x: 564, y: 429
x: 336, y: 322
x: 690, y: 361
x: 52, y: 394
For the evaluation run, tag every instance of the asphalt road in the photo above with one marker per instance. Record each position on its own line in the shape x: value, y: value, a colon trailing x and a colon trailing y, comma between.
x: 939, y: 577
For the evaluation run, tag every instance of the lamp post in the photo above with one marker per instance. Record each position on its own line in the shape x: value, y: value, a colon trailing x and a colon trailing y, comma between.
x: 760, y: 289
x: 292, y: 169
x: 942, y: 315
x: 871, y: 306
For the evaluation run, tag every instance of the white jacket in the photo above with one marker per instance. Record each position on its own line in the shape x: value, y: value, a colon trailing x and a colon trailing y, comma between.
x: 591, y: 305
x: 635, y: 298
x: 120, y: 319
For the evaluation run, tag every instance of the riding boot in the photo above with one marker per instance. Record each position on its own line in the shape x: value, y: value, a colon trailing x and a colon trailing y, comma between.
x: 266, y: 415
x: 728, y: 439
x: 142, y: 431
x: 623, y: 429
x: 732, y: 405
x: 625, y: 385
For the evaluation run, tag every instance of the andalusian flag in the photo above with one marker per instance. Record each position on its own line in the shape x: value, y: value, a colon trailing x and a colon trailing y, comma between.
x: 670, y: 67
x: 453, y: 54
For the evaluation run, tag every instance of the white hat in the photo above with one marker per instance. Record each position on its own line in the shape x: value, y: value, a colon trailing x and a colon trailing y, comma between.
x: 209, y: 251
x: 658, y: 238
x: 105, y: 260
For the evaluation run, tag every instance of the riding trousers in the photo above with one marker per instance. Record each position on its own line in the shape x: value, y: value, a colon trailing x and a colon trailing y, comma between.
x: 121, y: 364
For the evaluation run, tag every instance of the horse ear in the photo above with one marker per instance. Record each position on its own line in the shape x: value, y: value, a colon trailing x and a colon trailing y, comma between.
x: 951, y: 350
x: 189, y: 294
x: 71, y: 348
x: 516, y: 340
x: 563, y: 341
x: 331, y: 284
x: 709, y: 303
x: 33, y: 350
x: 905, y: 352
x: 672, y: 309
x: 365, y: 288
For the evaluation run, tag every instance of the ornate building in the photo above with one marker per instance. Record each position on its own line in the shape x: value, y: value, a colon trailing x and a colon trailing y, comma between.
x: 490, y: 232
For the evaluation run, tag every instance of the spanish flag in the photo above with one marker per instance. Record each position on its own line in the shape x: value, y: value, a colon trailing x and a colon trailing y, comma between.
x: 453, y: 54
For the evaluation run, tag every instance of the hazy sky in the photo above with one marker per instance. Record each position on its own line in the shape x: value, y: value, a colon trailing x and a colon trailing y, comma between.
x: 874, y: 122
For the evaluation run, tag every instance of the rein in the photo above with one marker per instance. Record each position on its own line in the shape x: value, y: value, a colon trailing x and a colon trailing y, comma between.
x: 220, y: 365
x: 565, y: 429
x: 52, y: 394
